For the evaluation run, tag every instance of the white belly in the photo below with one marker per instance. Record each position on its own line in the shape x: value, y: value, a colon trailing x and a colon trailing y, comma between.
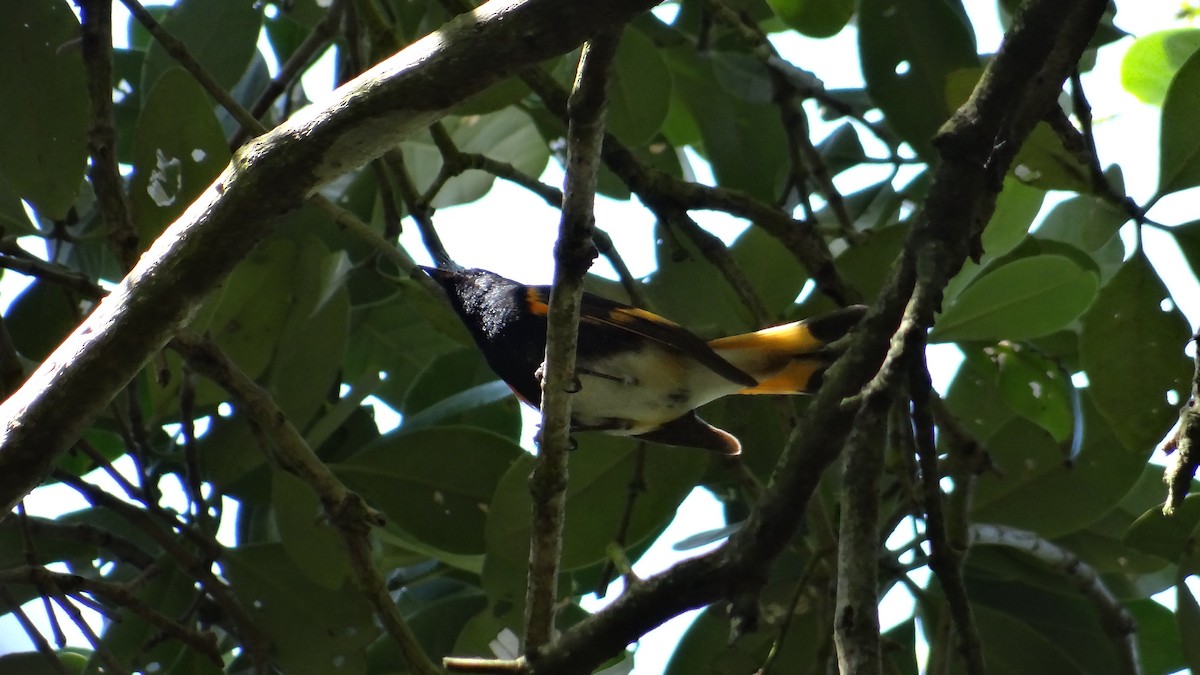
x: 630, y: 395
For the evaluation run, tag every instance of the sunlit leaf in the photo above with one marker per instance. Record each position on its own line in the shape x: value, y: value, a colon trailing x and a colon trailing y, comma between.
x: 1026, y: 298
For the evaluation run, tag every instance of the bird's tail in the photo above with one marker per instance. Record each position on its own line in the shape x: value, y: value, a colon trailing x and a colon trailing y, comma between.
x: 791, y: 358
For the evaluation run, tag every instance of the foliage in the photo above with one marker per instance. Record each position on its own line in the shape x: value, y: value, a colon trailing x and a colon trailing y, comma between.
x: 1073, y: 346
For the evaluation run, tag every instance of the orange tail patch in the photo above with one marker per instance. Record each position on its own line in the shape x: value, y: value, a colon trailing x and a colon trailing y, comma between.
x: 791, y: 358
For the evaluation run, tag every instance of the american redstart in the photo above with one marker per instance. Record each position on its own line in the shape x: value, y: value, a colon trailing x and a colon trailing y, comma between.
x: 638, y: 373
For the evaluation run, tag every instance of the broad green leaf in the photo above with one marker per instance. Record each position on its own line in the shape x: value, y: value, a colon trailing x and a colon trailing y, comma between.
x: 1016, y: 208
x: 1059, y: 637
x: 246, y: 318
x: 1036, y: 388
x: 1152, y: 60
x: 13, y: 219
x: 907, y: 72
x: 33, y: 663
x: 973, y: 394
x: 1026, y: 298
x: 508, y: 135
x: 1039, y: 492
x: 1188, y: 238
x: 1132, y: 350
x: 706, y: 648
x: 179, y: 150
x: 1085, y: 222
x: 743, y: 76
x: 436, y: 626
x: 816, y: 18
x: 742, y: 141
x: 43, y: 147
x: 1168, y: 537
x: 221, y: 34
x: 306, y: 533
x: 40, y: 317
x: 600, y: 471
x: 688, y: 288
x: 639, y: 92
x: 1161, y: 648
x: 1044, y: 163
x: 436, y: 484
x: 313, y: 630
x: 401, y: 336
x: 841, y: 150
x: 1187, y: 616
x: 1179, y: 137
x: 309, y: 352
x: 460, y: 388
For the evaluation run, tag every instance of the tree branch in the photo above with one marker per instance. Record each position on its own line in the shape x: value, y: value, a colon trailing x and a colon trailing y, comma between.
x: 348, y: 513
x: 1019, y: 86
x: 266, y: 178
x: 1116, y: 620
x: 573, y: 255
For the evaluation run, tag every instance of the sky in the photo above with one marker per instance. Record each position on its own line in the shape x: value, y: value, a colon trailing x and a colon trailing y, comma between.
x: 479, y: 235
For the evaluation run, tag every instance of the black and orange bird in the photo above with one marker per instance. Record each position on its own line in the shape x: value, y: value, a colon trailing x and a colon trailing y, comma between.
x: 638, y: 373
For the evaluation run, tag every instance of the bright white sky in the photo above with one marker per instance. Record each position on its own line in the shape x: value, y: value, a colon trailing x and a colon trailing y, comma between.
x: 480, y: 235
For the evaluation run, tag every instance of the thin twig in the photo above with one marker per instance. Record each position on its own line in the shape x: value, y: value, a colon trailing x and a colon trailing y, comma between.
x: 348, y: 513
x: 39, y: 641
x: 944, y: 560
x: 573, y: 254
x: 96, y: 34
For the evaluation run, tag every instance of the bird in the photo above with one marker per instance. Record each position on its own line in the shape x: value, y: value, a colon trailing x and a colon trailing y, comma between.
x: 637, y: 373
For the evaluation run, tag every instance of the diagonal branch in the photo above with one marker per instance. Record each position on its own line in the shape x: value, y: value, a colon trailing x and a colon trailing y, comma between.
x: 266, y: 178
x: 1020, y: 84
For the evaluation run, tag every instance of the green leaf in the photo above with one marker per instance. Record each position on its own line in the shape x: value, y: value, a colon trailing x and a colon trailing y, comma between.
x: 33, y: 663
x: 639, y: 92
x: 306, y: 533
x: 40, y: 317
x: 221, y: 34
x: 1152, y: 60
x: 600, y: 471
x: 460, y: 388
x: 43, y: 148
x: 815, y: 18
x: 1026, y: 298
x: 742, y: 141
x: 907, y: 72
x: 508, y: 136
x: 1132, y: 350
x: 1045, y: 163
x: 1036, y: 388
x: 1187, y: 617
x: 1039, y: 492
x: 1188, y: 238
x: 13, y: 219
x: 179, y: 150
x: 1168, y: 537
x: 436, y: 484
x: 436, y: 626
x: 1179, y: 137
x: 313, y: 630
x: 1160, y: 647
x: 1016, y: 208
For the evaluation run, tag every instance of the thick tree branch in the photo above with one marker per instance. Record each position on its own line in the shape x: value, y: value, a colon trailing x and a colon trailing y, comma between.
x: 1018, y: 87
x: 268, y: 177
x: 573, y: 255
